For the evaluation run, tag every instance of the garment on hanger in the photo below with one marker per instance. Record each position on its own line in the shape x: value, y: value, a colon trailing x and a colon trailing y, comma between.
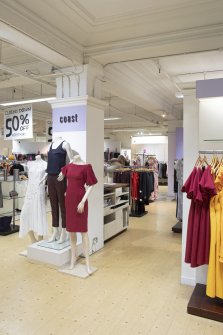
x: 200, y: 189
x: 33, y: 214
x: 179, y: 179
x: 215, y: 269
x: 16, y: 165
x: 78, y: 176
x: 1, y: 196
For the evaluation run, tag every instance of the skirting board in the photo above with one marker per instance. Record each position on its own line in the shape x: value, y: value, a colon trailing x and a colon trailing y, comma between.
x: 188, y: 281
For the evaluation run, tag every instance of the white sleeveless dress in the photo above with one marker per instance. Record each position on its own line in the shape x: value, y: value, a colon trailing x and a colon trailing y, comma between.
x: 33, y: 214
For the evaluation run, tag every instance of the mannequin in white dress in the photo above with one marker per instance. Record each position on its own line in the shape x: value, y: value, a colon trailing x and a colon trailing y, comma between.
x: 58, y: 152
x: 80, y: 209
x: 33, y: 215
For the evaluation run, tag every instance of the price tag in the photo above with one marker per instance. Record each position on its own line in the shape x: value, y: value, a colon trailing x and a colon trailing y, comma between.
x: 49, y: 130
x: 18, y: 123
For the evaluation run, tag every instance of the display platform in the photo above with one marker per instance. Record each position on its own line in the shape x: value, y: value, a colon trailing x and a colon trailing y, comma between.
x: 177, y: 228
x: 203, y: 306
x: 14, y: 229
x: 79, y: 270
x: 49, y: 252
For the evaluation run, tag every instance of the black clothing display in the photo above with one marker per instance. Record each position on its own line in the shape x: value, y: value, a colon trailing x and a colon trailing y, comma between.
x: 56, y: 159
x: 16, y: 166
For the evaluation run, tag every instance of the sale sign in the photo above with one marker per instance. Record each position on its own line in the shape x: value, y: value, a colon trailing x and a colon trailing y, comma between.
x: 18, y: 123
x: 49, y: 130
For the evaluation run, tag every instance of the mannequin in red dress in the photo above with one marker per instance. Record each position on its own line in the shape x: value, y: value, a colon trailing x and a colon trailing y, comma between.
x: 81, y: 174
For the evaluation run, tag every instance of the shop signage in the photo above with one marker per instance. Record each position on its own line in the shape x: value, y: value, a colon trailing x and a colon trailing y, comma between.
x: 49, y: 130
x: 69, y: 119
x: 18, y: 122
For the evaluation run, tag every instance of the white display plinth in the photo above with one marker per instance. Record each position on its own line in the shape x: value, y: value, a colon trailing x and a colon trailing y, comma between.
x: 79, y: 270
x: 54, y: 256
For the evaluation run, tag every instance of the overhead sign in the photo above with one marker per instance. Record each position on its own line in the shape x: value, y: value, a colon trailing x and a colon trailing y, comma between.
x: 69, y: 119
x: 18, y: 123
x: 49, y: 130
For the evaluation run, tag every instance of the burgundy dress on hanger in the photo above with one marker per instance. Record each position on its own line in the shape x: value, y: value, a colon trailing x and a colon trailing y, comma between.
x: 188, y: 188
x: 77, y: 177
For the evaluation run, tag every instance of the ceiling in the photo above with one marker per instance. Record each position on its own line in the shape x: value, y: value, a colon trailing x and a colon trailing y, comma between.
x: 149, y: 50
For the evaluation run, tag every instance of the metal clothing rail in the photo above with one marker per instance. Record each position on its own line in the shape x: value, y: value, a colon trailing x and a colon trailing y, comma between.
x: 210, y: 151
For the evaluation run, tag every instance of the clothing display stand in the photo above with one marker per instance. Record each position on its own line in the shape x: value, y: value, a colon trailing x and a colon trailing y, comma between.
x: 203, y: 306
x: 177, y: 228
x: 13, y: 227
x: 200, y: 304
x: 138, y: 215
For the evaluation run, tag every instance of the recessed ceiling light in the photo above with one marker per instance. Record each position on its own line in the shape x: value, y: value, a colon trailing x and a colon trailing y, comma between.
x: 179, y: 95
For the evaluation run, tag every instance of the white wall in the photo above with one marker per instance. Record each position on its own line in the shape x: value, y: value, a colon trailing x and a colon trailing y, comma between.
x: 112, y: 145
x: 25, y: 147
x: 158, y: 146
x: 5, y: 147
x: 210, y: 124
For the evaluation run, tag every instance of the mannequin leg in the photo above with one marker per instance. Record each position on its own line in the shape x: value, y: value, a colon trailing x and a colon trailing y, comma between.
x: 32, y: 236
x: 85, y: 241
x: 63, y: 235
x: 73, y: 244
x: 55, y: 235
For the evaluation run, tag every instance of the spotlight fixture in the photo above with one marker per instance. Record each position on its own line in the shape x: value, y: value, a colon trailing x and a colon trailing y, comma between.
x: 163, y: 114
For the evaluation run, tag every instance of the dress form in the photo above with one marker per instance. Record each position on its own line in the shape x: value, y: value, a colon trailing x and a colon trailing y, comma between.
x: 60, y: 234
x: 31, y: 233
x: 33, y: 215
x: 73, y: 235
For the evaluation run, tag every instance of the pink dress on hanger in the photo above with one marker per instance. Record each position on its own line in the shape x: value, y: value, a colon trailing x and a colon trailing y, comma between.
x: 77, y: 177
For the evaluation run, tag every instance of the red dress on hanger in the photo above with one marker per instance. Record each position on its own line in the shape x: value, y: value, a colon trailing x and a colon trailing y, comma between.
x: 77, y: 177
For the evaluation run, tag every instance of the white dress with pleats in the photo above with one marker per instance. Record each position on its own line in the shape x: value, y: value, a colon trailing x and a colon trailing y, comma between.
x: 33, y: 214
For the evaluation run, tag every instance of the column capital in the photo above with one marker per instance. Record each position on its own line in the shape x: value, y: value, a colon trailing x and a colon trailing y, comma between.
x: 77, y: 101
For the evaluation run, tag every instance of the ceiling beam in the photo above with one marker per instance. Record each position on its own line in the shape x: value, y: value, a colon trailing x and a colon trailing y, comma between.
x: 35, y: 48
x: 21, y: 74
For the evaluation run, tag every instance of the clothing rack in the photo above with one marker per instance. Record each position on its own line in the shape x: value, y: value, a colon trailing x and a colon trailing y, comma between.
x: 211, y: 152
x: 200, y: 304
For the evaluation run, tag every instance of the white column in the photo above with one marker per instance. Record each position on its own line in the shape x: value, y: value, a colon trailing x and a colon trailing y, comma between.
x: 86, y: 136
x: 171, y: 158
x: 191, y: 140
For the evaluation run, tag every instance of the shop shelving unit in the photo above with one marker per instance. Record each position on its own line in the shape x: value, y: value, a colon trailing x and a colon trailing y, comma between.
x: 116, y: 209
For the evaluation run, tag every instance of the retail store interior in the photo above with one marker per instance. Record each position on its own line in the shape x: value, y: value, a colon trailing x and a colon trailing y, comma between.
x: 129, y: 94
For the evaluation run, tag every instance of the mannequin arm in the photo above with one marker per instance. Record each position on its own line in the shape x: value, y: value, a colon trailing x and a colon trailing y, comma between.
x: 43, y: 179
x: 80, y: 207
x: 66, y: 146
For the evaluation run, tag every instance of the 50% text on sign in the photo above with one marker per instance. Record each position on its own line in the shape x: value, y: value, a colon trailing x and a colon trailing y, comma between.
x: 18, y: 123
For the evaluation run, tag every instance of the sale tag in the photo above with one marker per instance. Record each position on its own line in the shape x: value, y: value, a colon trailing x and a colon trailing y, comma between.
x: 49, y: 130
x: 18, y: 123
